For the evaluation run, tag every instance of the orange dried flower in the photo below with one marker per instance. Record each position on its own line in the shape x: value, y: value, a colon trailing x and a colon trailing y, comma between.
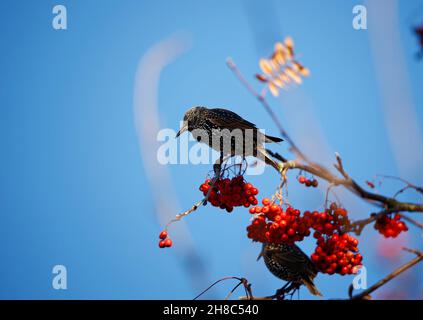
x: 281, y: 69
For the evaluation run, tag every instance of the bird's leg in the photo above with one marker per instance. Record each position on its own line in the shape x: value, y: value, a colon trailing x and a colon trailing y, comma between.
x: 280, y: 293
x: 218, y: 165
x: 288, y: 289
x: 242, y: 171
x: 292, y: 289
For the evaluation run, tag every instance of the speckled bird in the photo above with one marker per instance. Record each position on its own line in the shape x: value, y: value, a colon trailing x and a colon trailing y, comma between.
x: 214, y: 121
x: 290, y: 263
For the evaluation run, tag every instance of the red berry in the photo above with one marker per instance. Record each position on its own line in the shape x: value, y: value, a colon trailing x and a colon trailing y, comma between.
x: 302, y: 179
x: 401, y: 225
x: 168, y: 242
x: 163, y: 234
x: 370, y: 184
x: 265, y: 201
x: 338, y: 254
x: 274, y: 208
x: 162, y: 244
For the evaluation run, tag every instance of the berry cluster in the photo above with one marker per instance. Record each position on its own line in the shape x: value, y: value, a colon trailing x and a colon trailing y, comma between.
x: 229, y: 193
x: 274, y: 225
x: 336, y: 251
x: 390, y: 227
x: 307, y: 182
x: 332, y: 220
x: 336, y: 254
x: 165, y: 240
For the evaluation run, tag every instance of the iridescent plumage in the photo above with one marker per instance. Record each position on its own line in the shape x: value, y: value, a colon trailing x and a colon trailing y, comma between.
x: 290, y: 263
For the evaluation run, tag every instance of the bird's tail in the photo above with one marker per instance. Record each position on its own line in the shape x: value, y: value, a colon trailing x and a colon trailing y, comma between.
x: 311, y: 286
x: 270, y: 139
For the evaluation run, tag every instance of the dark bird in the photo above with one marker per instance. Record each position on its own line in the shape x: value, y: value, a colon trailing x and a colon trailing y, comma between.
x: 290, y: 263
x: 223, y: 130
x: 419, y: 32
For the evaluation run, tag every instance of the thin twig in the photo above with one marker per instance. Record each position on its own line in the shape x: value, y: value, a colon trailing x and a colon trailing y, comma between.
x: 317, y: 169
x: 233, y: 290
x: 186, y: 212
x: 214, y: 283
x: 351, y: 185
x: 409, y: 184
x: 217, y: 171
x: 261, y: 98
x: 242, y: 281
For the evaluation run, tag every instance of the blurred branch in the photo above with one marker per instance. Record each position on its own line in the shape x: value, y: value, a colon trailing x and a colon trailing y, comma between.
x: 365, y: 295
x: 148, y: 123
x: 305, y: 164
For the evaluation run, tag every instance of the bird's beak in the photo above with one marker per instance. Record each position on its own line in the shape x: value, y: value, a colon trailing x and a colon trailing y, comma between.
x: 182, y: 130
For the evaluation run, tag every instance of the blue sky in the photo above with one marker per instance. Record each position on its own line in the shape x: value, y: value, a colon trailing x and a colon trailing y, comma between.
x: 73, y: 187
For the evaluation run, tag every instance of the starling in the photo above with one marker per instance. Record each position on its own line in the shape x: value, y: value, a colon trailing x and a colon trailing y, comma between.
x: 289, y: 263
x: 223, y: 130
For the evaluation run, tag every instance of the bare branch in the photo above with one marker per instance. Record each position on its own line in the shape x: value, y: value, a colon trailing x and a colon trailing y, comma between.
x: 242, y: 281
x: 374, y: 198
x: 358, y: 226
x: 318, y: 170
x: 217, y: 171
x: 409, y: 185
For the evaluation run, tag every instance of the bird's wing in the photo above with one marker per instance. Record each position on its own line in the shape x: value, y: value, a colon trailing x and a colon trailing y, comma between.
x: 295, y: 259
x: 223, y: 118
